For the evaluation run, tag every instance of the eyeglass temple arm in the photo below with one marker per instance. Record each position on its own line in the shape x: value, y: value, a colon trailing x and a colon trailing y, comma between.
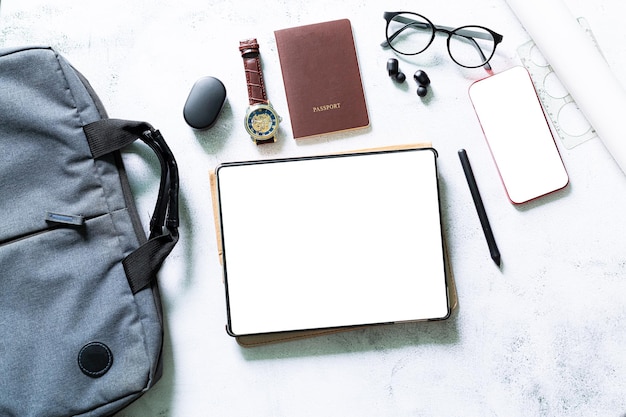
x: 409, y: 23
x: 473, y: 42
x: 471, y: 36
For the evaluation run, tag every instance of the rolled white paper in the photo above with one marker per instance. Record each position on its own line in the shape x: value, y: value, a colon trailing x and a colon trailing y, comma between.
x: 580, y: 67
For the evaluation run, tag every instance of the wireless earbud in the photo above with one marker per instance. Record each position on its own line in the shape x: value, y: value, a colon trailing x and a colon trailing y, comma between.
x: 421, y: 77
x: 394, y: 71
x: 423, y: 81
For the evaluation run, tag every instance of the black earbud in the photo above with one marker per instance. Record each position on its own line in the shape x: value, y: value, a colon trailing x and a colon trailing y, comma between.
x: 394, y: 70
x: 421, y: 77
x: 423, y: 81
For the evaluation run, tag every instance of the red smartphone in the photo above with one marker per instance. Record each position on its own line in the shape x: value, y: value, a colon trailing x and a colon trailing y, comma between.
x: 518, y: 135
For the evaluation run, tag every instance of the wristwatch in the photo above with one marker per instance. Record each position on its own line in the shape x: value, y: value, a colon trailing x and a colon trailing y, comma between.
x: 261, y: 119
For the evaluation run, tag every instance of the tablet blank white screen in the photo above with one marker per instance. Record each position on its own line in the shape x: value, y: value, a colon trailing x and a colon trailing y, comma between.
x: 332, y: 241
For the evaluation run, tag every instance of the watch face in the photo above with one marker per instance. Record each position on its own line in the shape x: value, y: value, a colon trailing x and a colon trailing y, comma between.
x: 262, y: 122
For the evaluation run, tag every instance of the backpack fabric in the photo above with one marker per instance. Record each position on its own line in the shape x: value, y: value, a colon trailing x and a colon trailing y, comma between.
x: 80, y: 314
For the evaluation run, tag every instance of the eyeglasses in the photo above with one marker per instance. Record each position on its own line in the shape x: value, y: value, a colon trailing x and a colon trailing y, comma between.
x: 411, y: 34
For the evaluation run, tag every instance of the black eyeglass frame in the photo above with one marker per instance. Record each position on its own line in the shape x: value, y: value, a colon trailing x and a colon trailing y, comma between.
x: 464, y: 31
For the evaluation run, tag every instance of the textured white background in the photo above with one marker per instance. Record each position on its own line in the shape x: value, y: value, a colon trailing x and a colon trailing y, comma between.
x: 542, y: 336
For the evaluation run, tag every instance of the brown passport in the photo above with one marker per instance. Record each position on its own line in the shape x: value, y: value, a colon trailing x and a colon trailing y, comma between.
x: 322, y: 78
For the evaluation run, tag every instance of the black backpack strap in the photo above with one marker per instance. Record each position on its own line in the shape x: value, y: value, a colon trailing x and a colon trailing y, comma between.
x: 142, y: 265
x: 109, y: 135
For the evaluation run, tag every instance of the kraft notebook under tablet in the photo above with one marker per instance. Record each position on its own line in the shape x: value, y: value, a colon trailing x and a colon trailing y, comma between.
x: 332, y: 241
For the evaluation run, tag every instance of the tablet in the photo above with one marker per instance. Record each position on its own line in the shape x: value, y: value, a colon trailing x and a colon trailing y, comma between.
x: 332, y: 241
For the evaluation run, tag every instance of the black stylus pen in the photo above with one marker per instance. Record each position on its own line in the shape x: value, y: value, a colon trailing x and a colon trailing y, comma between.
x: 480, y: 208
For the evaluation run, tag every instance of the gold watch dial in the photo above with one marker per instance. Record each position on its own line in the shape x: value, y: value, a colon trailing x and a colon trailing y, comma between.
x: 262, y: 122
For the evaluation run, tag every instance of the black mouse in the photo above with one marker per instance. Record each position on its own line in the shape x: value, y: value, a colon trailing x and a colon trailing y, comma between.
x: 205, y: 101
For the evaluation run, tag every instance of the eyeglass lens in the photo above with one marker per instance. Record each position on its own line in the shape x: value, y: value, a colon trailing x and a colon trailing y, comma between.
x: 411, y: 34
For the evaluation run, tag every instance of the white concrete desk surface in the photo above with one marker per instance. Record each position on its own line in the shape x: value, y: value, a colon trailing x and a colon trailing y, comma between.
x: 542, y: 336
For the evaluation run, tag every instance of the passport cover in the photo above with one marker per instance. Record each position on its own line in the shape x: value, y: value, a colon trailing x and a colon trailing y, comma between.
x: 322, y: 78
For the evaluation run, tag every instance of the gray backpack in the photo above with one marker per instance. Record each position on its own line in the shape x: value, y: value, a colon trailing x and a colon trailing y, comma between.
x: 80, y: 314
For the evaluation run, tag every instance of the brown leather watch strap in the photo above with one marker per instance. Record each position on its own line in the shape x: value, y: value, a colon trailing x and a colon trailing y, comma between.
x: 254, y: 76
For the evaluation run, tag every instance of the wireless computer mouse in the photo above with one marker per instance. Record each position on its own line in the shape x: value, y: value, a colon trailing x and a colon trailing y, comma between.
x: 205, y: 101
